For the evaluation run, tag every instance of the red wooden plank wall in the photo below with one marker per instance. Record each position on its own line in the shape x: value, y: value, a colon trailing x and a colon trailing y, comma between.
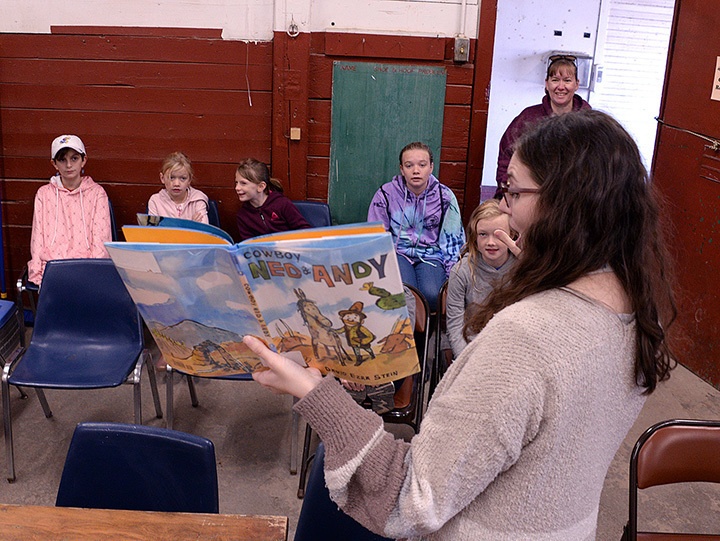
x: 687, y: 170
x: 135, y: 98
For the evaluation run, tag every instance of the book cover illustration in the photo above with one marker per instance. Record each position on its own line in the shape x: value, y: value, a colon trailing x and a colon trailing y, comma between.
x: 335, y: 301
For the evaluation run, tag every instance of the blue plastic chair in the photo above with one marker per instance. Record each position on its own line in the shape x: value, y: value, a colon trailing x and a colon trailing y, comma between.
x: 316, y: 213
x: 213, y: 213
x: 320, y: 518
x: 140, y: 468
x: 88, y: 335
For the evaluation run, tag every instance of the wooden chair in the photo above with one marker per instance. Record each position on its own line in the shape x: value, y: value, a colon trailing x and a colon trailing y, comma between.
x: 674, y: 451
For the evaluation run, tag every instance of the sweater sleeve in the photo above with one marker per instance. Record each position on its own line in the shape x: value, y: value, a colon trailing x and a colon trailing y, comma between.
x: 476, y: 426
x: 36, y: 265
x: 378, y: 210
x: 100, y: 231
x: 455, y: 307
x: 452, y: 233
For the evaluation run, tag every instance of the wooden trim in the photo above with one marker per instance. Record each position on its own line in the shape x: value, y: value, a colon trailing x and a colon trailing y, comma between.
x: 291, y: 72
x: 203, y: 33
x: 480, y: 106
x: 382, y: 46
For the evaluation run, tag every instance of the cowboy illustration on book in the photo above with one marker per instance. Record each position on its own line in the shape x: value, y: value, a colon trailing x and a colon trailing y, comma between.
x: 358, y: 337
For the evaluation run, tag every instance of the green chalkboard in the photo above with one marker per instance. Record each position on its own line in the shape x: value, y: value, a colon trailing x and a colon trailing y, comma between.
x: 376, y: 110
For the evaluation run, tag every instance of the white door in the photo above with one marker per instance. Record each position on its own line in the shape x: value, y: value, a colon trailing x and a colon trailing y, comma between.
x: 630, y: 59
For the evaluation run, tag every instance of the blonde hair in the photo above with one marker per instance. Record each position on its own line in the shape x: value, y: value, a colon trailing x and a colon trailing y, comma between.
x: 175, y: 161
x: 256, y: 172
x: 486, y: 210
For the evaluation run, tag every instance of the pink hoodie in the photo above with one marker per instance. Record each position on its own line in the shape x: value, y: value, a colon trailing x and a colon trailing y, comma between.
x: 68, y: 224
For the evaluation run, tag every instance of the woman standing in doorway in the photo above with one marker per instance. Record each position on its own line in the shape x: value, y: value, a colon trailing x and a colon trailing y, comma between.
x: 561, y: 83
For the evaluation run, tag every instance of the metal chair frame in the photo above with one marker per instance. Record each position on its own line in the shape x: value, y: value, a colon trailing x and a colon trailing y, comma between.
x: 673, y: 451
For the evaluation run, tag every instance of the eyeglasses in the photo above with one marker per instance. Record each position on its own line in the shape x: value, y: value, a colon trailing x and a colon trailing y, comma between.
x: 514, y: 193
x: 568, y: 57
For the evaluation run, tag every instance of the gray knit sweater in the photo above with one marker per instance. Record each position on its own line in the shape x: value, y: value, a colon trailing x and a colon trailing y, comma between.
x: 516, y: 441
x: 463, y: 292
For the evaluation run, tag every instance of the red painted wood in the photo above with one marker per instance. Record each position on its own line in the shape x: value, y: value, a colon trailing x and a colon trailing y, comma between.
x: 480, y: 104
x: 138, y: 31
x: 135, y: 98
x: 384, y: 46
x: 688, y: 174
x: 136, y: 74
x: 291, y: 62
x: 125, y: 98
x: 148, y: 48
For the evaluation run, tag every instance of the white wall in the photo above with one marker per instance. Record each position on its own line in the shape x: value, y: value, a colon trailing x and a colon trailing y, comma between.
x: 248, y: 19
x: 524, y: 36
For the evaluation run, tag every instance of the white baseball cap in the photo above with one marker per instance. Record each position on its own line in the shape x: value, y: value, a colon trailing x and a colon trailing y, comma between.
x: 67, y: 141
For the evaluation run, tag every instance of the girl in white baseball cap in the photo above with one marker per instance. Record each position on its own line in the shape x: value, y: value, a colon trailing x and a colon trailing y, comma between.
x: 71, y: 215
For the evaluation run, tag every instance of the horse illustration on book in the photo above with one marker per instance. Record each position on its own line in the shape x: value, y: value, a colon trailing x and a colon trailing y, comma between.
x: 321, y: 329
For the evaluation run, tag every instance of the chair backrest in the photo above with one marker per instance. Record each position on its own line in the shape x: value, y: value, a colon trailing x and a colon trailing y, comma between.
x: 113, y: 228
x: 136, y: 467
x: 320, y: 518
x: 84, y: 300
x: 316, y: 213
x: 213, y: 213
x: 409, y: 397
x: 674, y: 451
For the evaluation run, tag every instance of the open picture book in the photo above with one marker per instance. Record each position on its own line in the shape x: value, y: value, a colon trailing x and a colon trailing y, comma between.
x: 330, y: 297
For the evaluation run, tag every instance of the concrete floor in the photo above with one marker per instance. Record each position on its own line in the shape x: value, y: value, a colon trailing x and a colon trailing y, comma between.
x: 251, y: 431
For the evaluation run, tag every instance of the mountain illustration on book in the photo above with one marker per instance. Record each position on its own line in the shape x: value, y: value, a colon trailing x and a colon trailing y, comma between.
x: 192, y: 346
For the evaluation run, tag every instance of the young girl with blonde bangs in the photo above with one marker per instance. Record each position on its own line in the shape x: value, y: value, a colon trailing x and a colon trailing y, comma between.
x: 484, y: 260
x: 178, y: 199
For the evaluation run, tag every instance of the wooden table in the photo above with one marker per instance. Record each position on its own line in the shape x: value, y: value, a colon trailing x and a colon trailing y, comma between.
x: 30, y: 522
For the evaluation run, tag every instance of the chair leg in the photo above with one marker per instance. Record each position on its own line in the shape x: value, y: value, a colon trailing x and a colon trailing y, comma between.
x: 137, y: 399
x: 193, y: 392
x: 169, y: 396
x: 8, y: 426
x: 305, y: 462
x: 43, y: 402
x: 153, y: 384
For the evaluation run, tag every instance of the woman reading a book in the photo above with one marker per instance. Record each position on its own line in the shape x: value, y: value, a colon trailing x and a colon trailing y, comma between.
x: 518, y: 437
x: 264, y: 208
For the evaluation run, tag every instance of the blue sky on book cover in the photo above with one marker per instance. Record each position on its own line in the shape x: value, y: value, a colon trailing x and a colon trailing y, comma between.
x: 314, y: 296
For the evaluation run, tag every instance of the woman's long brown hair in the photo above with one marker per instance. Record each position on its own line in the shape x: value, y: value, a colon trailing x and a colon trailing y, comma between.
x: 596, y: 207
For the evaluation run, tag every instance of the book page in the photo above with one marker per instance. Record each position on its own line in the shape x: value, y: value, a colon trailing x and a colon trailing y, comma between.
x: 194, y: 303
x: 338, y: 300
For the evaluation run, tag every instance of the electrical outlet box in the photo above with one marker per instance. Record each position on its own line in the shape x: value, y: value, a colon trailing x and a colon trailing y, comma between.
x: 462, y: 50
